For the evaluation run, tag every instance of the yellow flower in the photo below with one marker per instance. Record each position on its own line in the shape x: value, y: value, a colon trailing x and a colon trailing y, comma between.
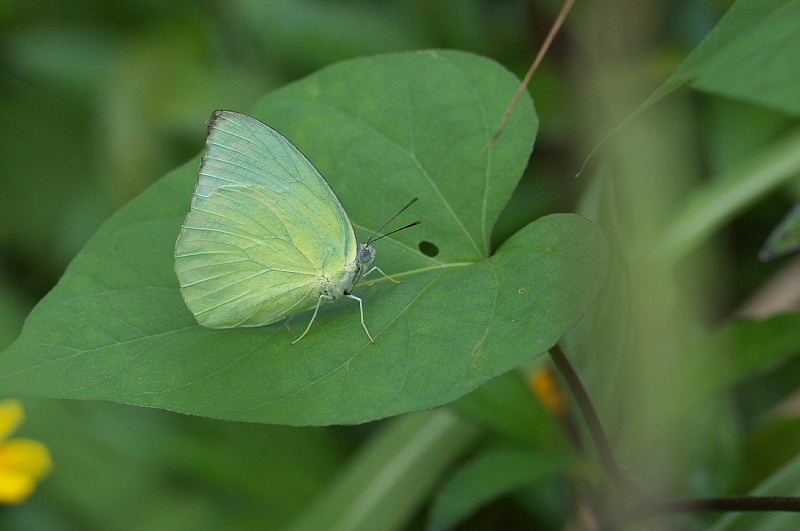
x: 23, y: 462
x: 544, y: 383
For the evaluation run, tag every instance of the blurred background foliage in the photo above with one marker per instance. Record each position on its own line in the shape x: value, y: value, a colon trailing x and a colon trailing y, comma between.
x: 100, y: 99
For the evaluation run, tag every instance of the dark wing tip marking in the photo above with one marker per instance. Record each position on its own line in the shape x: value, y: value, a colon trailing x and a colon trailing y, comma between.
x: 215, y: 116
x: 212, y: 122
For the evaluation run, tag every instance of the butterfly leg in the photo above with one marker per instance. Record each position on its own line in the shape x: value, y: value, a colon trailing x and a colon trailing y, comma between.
x: 361, y: 308
x: 323, y: 296
x: 379, y: 270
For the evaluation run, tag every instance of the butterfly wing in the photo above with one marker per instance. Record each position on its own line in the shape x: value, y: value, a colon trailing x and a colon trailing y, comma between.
x: 263, y: 228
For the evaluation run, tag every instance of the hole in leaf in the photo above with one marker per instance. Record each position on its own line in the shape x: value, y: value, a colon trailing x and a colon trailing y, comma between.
x: 428, y: 249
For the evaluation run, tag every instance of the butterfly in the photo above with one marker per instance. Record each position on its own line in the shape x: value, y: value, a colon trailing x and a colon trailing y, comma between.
x: 266, y: 237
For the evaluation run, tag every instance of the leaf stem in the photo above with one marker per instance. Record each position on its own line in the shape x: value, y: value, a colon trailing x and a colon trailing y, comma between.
x: 596, y: 430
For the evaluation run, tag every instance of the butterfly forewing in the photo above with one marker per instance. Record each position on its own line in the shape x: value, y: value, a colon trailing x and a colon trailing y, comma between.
x: 263, y: 227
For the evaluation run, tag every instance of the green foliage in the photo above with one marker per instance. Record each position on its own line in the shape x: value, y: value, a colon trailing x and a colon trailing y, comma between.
x: 750, y: 347
x: 115, y: 327
x: 217, y: 475
x: 392, y: 475
x: 12, y: 312
x: 503, y: 407
x: 784, y: 238
x: 487, y: 476
x: 661, y: 379
x: 103, y: 98
x: 728, y: 195
x: 752, y: 54
x: 782, y: 483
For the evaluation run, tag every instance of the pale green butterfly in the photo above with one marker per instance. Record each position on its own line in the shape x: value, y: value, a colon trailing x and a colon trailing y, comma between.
x: 265, y: 237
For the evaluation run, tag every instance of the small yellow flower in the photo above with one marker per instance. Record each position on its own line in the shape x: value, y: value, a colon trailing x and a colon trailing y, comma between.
x: 544, y: 383
x: 23, y: 462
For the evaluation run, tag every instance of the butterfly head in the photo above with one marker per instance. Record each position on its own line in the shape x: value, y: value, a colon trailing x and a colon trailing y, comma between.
x: 366, y: 254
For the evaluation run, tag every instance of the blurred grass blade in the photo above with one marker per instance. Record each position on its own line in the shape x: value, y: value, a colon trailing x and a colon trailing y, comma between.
x: 785, y: 237
x: 484, y: 478
x: 740, y: 350
x: 723, y: 198
x: 385, y: 485
x: 728, y: 357
x: 508, y: 409
x: 785, y: 482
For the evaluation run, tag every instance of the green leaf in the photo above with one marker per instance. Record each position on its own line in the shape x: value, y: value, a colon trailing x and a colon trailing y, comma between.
x: 311, y: 34
x: 773, y: 442
x: 752, y: 54
x: 745, y: 347
x: 785, y: 482
x: 508, y: 409
x: 382, y: 130
x: 736, y: 352
x: 387, y: 481
x: 739, y: 130
x: 485, y: 478
x: 712, y: 205
x: 187, y: 472
x: 785, y: 237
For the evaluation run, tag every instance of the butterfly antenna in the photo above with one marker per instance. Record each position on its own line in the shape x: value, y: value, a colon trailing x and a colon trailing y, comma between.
x: 396, y: 230
x: 370, y: 240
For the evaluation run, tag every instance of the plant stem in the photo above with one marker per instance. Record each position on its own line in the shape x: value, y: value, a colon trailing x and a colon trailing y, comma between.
x: 596, y: 430
x: 562, y: 16
x: 732, y: 503
x: 687, y: 505
x: 647, y: 508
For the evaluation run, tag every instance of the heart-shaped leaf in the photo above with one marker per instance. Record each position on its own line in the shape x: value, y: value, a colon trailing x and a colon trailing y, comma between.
x: 382, y: 130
